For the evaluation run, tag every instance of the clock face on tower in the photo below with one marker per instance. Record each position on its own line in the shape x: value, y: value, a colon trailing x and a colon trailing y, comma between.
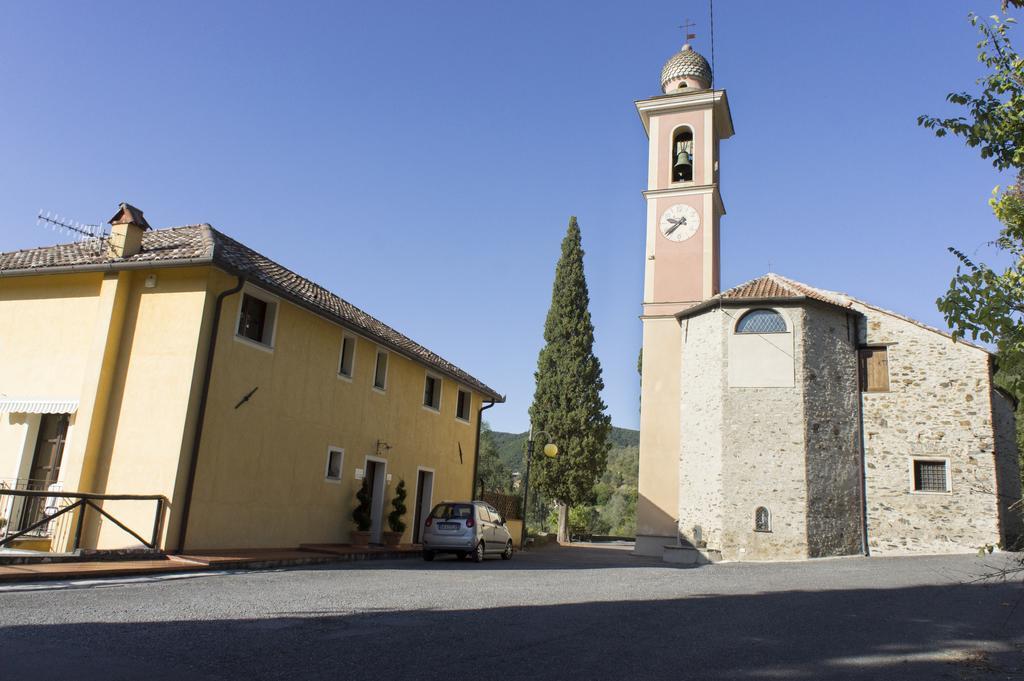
x: 679, y: 222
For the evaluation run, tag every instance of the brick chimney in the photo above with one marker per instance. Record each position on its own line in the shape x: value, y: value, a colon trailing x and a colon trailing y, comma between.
x: 126, y: 228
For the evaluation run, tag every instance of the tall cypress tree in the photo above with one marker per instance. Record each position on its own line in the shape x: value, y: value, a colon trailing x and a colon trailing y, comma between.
x: 567, y: 400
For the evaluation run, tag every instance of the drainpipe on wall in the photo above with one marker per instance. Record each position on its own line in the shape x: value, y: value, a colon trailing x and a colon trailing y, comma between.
x: 863, y: 449
x: 476, y: 455
x: 186, y: 504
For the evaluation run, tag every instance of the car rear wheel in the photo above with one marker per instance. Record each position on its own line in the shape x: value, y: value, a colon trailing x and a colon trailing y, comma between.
x: 478, y: 553
x: 507, y: 553
x: 428, y: 556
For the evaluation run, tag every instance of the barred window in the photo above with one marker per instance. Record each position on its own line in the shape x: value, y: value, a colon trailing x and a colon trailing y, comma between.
x: 762, y: 520
x: 761, y: 321
x: 930, y: 476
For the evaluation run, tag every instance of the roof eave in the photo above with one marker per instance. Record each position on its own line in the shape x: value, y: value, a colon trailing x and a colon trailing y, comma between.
x: 106, y: 267
x: 282, y: 292
x: 747, y: 302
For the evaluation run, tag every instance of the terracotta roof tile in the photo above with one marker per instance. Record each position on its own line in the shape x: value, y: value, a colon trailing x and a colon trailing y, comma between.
x: 776, y: 286
x: 770, y: 287
x: 201, y: 244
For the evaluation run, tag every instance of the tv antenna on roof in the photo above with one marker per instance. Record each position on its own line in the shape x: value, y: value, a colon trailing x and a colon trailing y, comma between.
x: 83, y: 232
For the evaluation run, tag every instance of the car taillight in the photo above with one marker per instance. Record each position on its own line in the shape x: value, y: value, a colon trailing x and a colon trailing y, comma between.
x: 429, y: 520
x: 469, y: 523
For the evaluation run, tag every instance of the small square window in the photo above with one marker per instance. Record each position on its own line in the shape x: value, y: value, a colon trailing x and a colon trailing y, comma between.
x: 930, y: 476
x: 348, y: 356
x: 256, y: 319
x: 463, y: 406
x: 380, y: 372
x: 432, y: 392
x: 335, y: 457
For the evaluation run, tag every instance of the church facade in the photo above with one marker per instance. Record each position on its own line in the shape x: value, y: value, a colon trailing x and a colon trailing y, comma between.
x: 781, y: 421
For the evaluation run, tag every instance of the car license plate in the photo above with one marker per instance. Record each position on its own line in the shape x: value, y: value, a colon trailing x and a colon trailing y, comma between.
x: 448, y: 526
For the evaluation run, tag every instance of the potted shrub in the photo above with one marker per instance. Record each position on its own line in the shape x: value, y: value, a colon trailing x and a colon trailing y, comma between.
x: 395, y: 521
x: 361, y: 516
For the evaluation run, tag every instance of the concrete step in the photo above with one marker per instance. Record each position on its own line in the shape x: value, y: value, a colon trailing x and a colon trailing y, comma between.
x: 688, y: 555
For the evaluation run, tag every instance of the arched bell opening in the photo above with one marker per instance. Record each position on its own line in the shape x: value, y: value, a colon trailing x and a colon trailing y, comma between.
x: 682, y: 156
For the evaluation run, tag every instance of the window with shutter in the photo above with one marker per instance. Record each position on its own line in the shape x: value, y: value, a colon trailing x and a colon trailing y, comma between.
x: 874, y: 370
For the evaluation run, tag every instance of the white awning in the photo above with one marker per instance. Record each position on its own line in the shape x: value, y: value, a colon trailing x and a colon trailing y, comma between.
x: 15, y: 405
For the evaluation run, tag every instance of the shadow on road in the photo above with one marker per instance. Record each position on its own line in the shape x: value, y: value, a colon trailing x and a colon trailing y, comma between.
x: 933, y: 632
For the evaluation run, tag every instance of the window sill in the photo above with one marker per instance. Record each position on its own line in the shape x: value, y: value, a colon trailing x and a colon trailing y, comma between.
x: 333, y: 481
x: 345, y: 377
x: 927, y: 493
x: 462, y: 420
x: 432, y: 410
x: 254, y: 344
x: 380, y: 391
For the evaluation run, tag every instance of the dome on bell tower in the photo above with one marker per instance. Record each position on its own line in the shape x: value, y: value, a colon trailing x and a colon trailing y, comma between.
x: 685, y: 69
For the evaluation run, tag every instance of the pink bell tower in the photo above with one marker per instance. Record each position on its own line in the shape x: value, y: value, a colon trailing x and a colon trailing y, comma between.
x: 684, y: 206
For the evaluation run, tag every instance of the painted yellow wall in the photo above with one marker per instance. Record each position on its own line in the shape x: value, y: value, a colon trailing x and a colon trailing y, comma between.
x: 45, y: 353
x: 144, y: 436
x: 261, y: 474
x: 134, y: 357
x: 127, y: 352
x: 46, y: 317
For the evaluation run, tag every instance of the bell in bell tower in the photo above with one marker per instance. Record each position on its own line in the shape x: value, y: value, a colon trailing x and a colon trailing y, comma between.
x: 684, y: 125
x: 682, y: 165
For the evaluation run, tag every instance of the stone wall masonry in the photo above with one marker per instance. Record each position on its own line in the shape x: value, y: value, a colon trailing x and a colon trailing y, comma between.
x: 1011, y: 515
x: 938, y: 405
x: 833, y: 461
x: 700, y: 460
x: 763, y: 460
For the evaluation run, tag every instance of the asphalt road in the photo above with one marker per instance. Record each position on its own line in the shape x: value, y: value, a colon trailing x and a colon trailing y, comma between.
x: 554, y: 613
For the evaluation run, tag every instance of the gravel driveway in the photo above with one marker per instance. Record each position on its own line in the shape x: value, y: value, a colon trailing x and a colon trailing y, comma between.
x: 553, y: 613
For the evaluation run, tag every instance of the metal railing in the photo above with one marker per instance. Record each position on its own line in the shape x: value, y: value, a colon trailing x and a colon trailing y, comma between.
x: 60, y: 515
x: 18, y: 513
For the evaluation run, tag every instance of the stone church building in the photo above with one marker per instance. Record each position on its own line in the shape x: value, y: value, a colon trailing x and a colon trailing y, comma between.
x: 782, y: 421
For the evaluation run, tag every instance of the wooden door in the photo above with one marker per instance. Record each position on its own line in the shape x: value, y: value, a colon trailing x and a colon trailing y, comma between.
x: 53, y: 431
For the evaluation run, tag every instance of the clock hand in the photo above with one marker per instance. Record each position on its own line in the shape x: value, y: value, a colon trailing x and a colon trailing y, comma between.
x: 676, y: 224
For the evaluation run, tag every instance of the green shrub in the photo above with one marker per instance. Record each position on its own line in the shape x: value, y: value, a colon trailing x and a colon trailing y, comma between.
x: 361, y: 513
x: 395, y: 521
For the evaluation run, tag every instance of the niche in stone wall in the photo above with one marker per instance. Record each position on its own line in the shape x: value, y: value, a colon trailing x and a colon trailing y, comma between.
x: 760, y: 349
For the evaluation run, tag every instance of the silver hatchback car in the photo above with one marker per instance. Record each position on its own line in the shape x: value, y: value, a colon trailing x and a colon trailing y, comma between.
x: 466, y: 528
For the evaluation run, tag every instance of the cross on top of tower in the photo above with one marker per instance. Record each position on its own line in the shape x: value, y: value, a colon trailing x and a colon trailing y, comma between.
x: 687, y: 25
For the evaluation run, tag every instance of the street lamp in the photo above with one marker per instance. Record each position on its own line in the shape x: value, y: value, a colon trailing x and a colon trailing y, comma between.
x: 551, y: 451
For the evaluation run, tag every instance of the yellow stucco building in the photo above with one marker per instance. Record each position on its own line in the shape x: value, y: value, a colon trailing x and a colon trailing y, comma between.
x: 179, y: 362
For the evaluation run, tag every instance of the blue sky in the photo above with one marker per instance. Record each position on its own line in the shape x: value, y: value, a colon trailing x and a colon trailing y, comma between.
x: 422, y: 159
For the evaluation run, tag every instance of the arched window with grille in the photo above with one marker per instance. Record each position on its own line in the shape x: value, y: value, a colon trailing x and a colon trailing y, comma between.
x: 762, y: 520
x: 761, y: 321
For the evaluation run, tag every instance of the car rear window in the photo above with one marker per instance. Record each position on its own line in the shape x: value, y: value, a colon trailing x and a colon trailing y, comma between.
x: 452, y: 511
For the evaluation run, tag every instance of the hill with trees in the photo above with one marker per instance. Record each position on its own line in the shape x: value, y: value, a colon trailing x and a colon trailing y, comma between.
x: 503, y: 459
